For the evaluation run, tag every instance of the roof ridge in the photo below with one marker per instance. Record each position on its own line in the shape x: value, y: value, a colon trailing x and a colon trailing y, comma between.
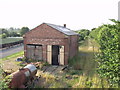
x: 59, y: 26
x: 62, y: 29
x: 55, y: 25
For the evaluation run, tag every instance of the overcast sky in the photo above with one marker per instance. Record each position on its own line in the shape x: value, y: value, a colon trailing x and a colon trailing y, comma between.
x: 76, y: 14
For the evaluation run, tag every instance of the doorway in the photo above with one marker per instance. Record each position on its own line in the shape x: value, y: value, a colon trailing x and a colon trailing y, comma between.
x: 55, y: 53
x: 34, y: 51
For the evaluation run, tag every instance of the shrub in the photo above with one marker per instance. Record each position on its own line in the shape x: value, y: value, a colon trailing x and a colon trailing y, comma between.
x: 108, y: 58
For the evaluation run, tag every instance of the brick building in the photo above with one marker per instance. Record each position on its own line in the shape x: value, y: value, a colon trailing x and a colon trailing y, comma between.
x: 51, y: 43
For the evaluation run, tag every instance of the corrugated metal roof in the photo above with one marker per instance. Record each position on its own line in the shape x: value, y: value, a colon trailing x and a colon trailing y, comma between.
x: 62, y: 29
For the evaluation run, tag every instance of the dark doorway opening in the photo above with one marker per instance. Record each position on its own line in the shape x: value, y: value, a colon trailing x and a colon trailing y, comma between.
x: 55, y: 53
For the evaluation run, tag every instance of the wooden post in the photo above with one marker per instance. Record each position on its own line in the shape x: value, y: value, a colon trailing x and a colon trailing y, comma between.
x: 49, y: 54
x: 62, y: 55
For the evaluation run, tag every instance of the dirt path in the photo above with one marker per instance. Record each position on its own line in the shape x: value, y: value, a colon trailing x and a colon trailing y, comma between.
x: 10, y: 64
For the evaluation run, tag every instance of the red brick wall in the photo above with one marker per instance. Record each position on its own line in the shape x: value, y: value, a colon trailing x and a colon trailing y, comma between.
x: 46, y: 35
x: 44, y: 31
x: 73, y: 46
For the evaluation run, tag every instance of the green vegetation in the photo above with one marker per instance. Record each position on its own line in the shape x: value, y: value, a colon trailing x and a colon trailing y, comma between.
x: 108, y: 38
x: 3, y: 84
x: 86, y: 70
x: 81, y: 73
x: 85, y: 63
x: 9, y: 40
x: 24, y: 30
x: 5, y: 81
x: 3, y: 35
x: 94, y: 33
x: 108, y: 58
x: 83, y: 34
x: 13, y: 32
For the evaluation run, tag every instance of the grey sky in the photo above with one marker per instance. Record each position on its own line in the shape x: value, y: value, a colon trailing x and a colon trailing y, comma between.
x: 77, y: 14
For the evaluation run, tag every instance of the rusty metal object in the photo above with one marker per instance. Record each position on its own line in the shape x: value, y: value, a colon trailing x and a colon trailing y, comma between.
x: 22, y: 76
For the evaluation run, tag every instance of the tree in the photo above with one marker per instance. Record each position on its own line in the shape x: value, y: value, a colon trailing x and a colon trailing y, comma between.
x: 11, y: 28
x: 108, y: 58
x: 4, y: 31
x: 14, y: 34
x: 24, y: 30
x: 93, y: 29
x: 83, y: 33
x: 94, y: 32
x: 3, y: 35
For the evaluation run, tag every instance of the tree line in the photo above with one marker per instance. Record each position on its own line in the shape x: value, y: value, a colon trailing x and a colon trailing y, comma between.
x: 13, y: 32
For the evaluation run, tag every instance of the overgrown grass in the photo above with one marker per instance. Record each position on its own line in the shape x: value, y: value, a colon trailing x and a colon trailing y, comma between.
x: 81, y: 74
x: 13, y: 55
x: 85, y: 62
x: 10, y: 63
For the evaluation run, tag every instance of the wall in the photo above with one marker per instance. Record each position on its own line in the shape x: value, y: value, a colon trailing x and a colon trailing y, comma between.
x: 46, y: 35
x: 73, y: 50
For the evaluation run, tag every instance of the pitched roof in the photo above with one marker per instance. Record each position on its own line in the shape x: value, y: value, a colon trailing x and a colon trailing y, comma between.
x: 62, y: 29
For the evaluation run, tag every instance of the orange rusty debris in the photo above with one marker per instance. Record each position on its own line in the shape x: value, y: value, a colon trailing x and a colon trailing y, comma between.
x: 22, y: 76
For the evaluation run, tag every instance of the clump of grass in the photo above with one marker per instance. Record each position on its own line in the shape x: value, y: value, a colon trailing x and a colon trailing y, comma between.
x: 74, y: 72
x: 85, y: 62
x: 48, y: 76
x: 46, y: 64
x: 72, y: 82
x: 75, y: 62
x: 56, y: 85
x: 48, y: 79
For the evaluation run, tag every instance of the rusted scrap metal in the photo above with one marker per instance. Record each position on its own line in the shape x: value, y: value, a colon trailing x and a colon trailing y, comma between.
x: 22, y: 76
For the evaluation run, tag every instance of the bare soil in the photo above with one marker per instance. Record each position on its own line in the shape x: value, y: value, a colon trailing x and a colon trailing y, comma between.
x: 10, y: 64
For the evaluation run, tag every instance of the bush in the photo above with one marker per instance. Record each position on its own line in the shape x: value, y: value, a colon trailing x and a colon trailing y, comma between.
x: 108, y: 58
x: 3, y: 36
x: 3, y: 83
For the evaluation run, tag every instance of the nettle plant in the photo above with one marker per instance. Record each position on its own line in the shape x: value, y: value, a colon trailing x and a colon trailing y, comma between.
x: 109, y: 57
x: 3, y: 82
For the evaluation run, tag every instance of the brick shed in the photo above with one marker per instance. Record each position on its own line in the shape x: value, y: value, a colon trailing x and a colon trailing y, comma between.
x: 51, y: 43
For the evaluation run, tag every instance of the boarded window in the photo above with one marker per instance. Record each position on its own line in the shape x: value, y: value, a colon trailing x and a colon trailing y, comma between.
x: 34, y: 52
x: 38, y: 52
x: 30, y: 51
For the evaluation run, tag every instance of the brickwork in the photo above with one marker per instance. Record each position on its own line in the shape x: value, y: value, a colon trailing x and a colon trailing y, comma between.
x: 73, y: 46
x: 45, y: 35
